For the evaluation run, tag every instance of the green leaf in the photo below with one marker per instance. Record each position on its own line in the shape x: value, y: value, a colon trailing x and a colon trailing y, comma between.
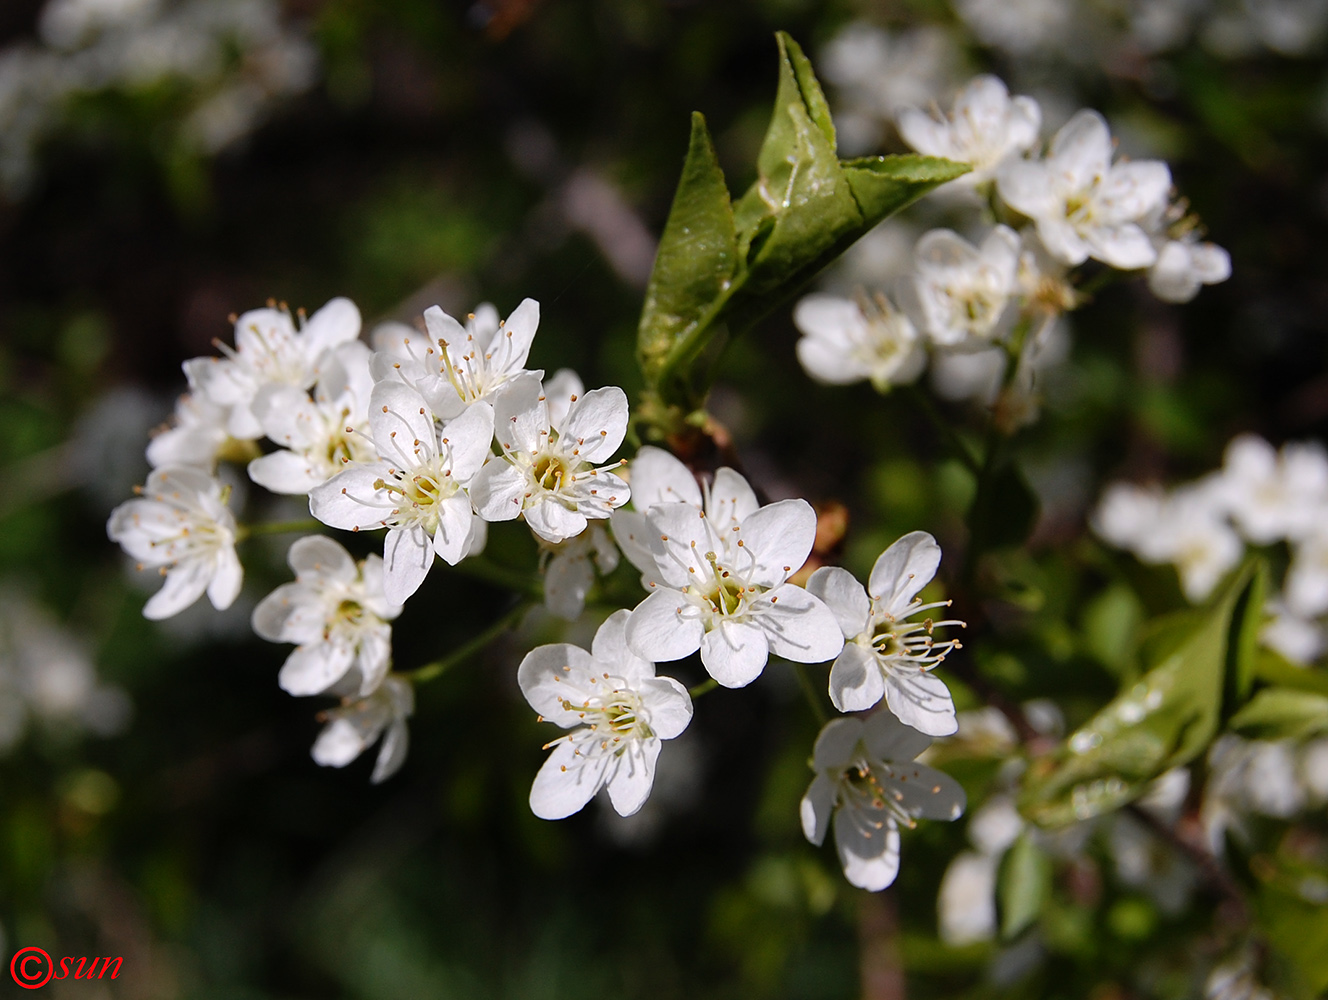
x: 883, y: 185
x: 1165, y: 719
x: 722, y: 267
x: 1025, y: 885
x: 1111, y: 621
x: 1274, y: 668
x: 1282, y: 713
x: 697, y: 254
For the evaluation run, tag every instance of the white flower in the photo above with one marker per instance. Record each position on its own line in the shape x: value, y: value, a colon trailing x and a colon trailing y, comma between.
x: 886, y: 655
x: 961, y: 290
x: 966, y: 904
x: 454, y: 366
x: 321, y: 434
x: 181, y: 527
x: 1019, y: 27
x: 548, y: 472
x: 1272, y: 496
x: 1306, y: 584
x: 1300, y: 640
x: 569, y: 571
x: 270, y: 350
x: 196, y: 434
x: 867, y: 780
x: 723, y: 589
x: 356, y: 724
x: 336, y: 613
x: 1184, y: 266
x: 845, y: 341
x: 984, y: 129
x: 1126, y: 514
x: 618, y: 711
x: 1082, y: 204
x: 415, y: 490
x: 657, y: 477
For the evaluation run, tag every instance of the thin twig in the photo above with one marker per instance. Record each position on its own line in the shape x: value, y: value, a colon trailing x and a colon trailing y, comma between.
x: 439, y: 667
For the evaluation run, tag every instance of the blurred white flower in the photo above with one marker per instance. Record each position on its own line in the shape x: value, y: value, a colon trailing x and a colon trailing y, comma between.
x: 1273, y: 495
x: 868, y: 781
x: 181, y: 527
x: 848, y: 340
x: 618, y: 711
x: 1084, y: 205
x: 358, y: 722
x: 336, y: 613
x: 196, y: 433
x: 270, y: 351
x: 886, y: 655
x: 569, y: 569
x: 547, y: 473
x: 416, y: 487
x: 1306, y: 585
x: 1018, y: 27
x: 1184, y: 266
x: 1300, y: 640
x: 723, y: 589
x: 962, y: 291
x: 984, y: 128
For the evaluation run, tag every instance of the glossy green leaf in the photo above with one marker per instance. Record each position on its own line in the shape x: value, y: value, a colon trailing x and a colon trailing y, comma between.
x: 723, y: 266
x: 1282, y: 713
x: 697, y: 253
x: 1165, y: 719
x: 1272, y: 667
x: 1025, y: 885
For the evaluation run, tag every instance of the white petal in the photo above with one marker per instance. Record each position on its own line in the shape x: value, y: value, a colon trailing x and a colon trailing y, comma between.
x: 314, y: 668
x: 1126, y: 246
x: 349, y: 500
x: 511, y: 344
x: 870, y: 855
x: 816, y: 808
x: 844, y: 596
x: 185, y: 583
x: 553, y: 522
x: 1026, y: 187
x: 670, y: 706
x: 227, y: 575
x: 735, y: 653
x: 629, y: 787
x: 658, y: 477
x: 567, y: 781
x: 1081, y: 150
x: 291, y: 613
x: 285, y: 472
x: 680, y: 537
x: 837, y: 744
x: 902, y: 570
x: 320, y: 557
x: 496, y: 491
x: 568, y: 578
x: 731, y: 501
x: 373, y: 657
x: 564, y: 386
x: 392, y: 754
x: 856, y: 682
x: 338, y: 744
x: 779, y: 536
x: 798, y: 626
x: 920, y: 699
x: 521, y: 418
x: 407, y: 556
x: 468, y: 438
x: 924, y: 791
x: 550, y: 674
x: 598, y: 422
x: 658, y: 631
x: 336, y: 323
x: 889, y: 740
x: 403, y: 428
x: 610, y: 648
x: 452, y: 538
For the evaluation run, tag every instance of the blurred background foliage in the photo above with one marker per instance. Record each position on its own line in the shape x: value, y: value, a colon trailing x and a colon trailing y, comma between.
x: 460, y: 152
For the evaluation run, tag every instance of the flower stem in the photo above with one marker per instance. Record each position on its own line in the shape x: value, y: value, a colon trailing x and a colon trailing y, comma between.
x: 244, y: 531
x: 705, y: 686
x: 439, y: 667
x: 809, y: 691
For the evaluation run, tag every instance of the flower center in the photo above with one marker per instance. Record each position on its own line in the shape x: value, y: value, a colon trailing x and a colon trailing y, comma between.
x: 615, y: 718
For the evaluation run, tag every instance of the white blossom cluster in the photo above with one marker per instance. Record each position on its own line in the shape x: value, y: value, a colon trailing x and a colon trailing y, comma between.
x: 93, y: 46
x: 1260, y: 497
x: 433, y: 435
x: 987, y: 313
